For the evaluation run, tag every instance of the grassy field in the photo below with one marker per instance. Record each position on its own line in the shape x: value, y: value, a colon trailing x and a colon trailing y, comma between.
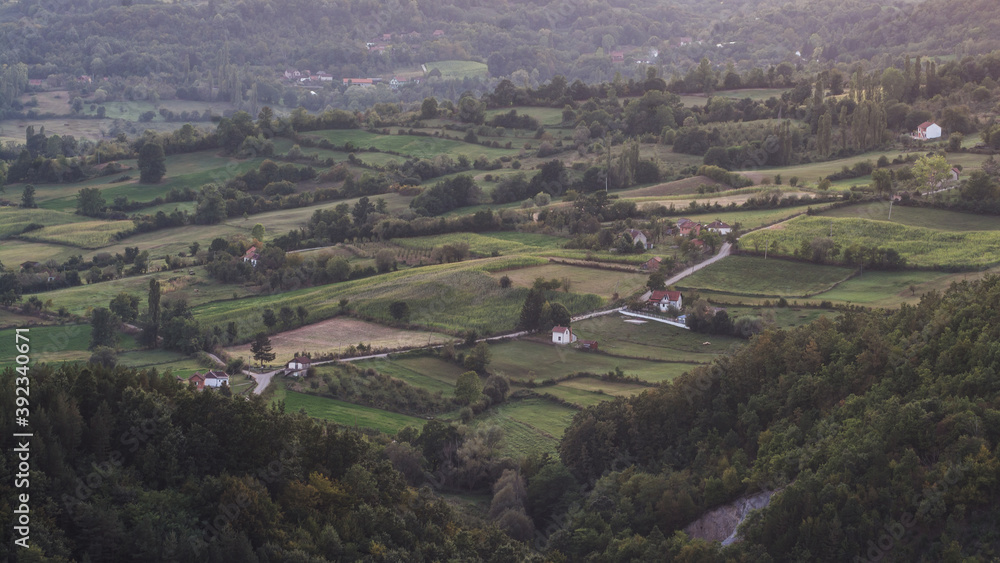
x: 940, y: 219
x: 756, y: 218
x: 755, y: 94
x: 530, y: 426
x: 343, y: 412
x: 533, y: 359
x: 605, y: 283
x: 458, y: 69
x: 14, y: 252
x: 548, y: 117
x: 488, y: 243
x: 653, y: 340
x: 87, y: 234
x: 10, y: 319
x: 13, y: 220
x: 163, y: 360
x: 411, y: 145
x: 446, y: 297
x: 687, y: 186
x: 811, y: 173
x: 886, y: 288
x: 334, y: 335
x: 196, y: 290
x: 189, y: 170
x: 745, y: 275
x: 921, y: 247
x: 56, y: 344
x: 427, y: 372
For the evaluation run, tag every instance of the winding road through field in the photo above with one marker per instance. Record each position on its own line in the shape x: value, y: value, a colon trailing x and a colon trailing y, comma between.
x: 724, y: 251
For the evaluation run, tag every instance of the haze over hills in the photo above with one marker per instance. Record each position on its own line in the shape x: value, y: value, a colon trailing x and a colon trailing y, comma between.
x: 571, y: 281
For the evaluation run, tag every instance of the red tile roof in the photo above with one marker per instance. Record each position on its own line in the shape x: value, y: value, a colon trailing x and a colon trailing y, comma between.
x: 925, y: 125
x: 658, y: 296
x: 559, y: 329
x: 301, y: 360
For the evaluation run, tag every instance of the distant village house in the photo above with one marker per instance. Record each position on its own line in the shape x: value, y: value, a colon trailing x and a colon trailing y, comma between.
x: 664, y: 300
x: 563, y: 335
x: 213, y: 379
x: 928, y: 130
x: 252, y: 256
x: 638, y: 236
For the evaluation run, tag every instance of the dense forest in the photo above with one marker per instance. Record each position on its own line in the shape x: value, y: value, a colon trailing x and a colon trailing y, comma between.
x: 140, y: 50
x: 880, y: 429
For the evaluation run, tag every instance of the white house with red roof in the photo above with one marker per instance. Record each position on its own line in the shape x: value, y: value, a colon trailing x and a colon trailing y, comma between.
x: 213, y: 379
x: 563, y: 335
x: 652, y: 264
x: 664, y: 300
x: 638, y: 236
x: 252, y: 256
x: 719, y: 227
x: 928, y: 130
x: 298, y: 366
x: 686, y: 226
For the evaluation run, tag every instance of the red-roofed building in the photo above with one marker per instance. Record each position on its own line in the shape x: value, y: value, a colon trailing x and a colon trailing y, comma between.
x: 563, y: 335
x: 252, y: 256
x: 588, y: 344
x: 686, y: 226
x: 366, y: 82
x: 213, y: 379
x: 928, y: 130
x: 663, y: 300
x: 719, y: 227
x: 652, y: 264
x: 438, y: 33
x: 617, y: 56
x: 638, y: 236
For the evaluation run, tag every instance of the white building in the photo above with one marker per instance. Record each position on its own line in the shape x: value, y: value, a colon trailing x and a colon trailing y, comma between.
x: 928, y: 130
x: 563, y: 335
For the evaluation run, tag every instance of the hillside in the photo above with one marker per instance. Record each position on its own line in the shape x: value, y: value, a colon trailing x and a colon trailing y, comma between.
x: 875, y: 423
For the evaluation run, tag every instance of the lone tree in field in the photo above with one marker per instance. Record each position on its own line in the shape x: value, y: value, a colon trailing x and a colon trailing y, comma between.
x: 103, y: 324
x: 399, y: 310
x: 28, y: 197
x: 468, y: 388
x: 261, y: 349
x: 152, y: 163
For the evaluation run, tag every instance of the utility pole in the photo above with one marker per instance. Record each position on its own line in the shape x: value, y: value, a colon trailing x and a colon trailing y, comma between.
x: 608, y: 174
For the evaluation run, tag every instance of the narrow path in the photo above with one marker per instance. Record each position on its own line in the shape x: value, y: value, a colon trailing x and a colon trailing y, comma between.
x: 724, y: 251
x: 262, y: 379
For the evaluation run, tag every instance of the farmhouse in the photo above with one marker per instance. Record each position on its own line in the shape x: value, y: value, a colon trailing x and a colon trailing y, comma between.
x: 617, y: 56
x: 664, y: 300
x: 928, y: 130
x: 252, y: 256
x: 298, y: 366
x: 213, y: 379
x: 686, y: 226
x: 563, y: 335
x: 956, y: 174
x: 638, y: 236
x: 719, y: 227
x: 652, y: 264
